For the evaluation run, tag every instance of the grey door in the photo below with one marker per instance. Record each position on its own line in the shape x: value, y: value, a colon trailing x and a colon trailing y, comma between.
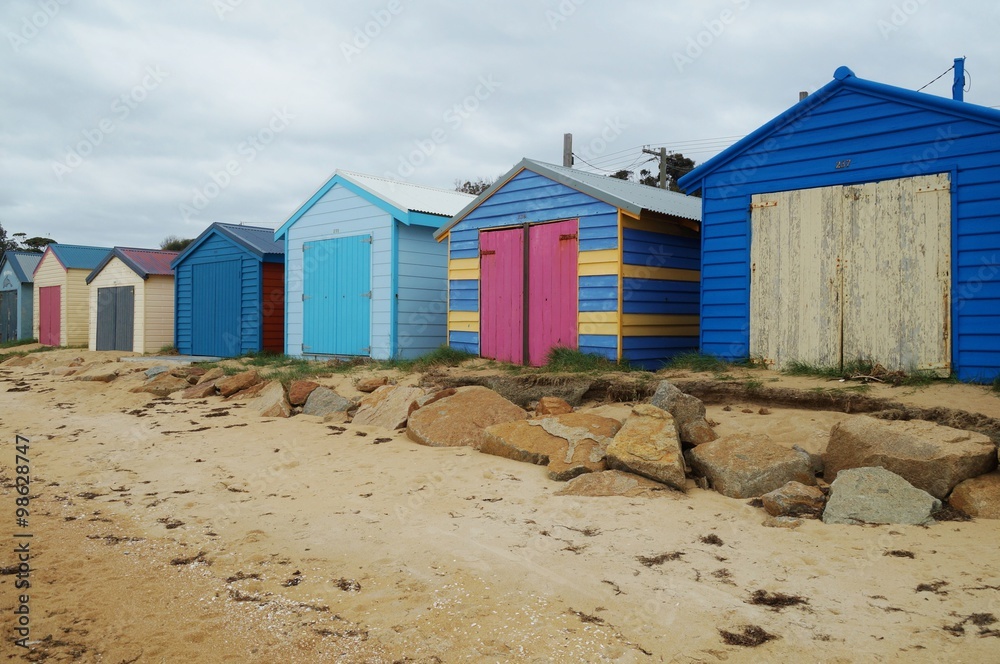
x: 115, y: 318
x: 8, y: 316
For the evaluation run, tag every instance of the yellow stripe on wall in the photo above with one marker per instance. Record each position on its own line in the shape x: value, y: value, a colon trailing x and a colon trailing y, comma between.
x: 654, y: 325
x: 463, y: 321
x: 596, y: 263
x: 681, y: 227
x: 463, y: 268
x: 662, y: 273
x: 598, y: 322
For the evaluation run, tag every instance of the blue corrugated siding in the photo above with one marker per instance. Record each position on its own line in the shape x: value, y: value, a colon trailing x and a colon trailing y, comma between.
x: 422, y: 308
x: 599, y: 293
x: 337, y: 305
x: 243, y: 297
x: 883, y: 139
x: 654, y: 352
x: 660, y: 250
x: 531, y: 198
x: 604, y: 345
x: 656, y: 296
x: 467, y: 341
x: 463, y: 295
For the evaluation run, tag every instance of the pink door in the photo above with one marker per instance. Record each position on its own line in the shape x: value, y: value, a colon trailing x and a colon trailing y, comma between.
x: 501, y: 274
x: 49, y: 318
x: 552, y: 289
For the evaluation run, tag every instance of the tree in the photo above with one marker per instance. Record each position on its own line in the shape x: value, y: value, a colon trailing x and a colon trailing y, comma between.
x: 475, y: 187
x: 21, y: 242
x: 677, y: 166
x: 174, y: 243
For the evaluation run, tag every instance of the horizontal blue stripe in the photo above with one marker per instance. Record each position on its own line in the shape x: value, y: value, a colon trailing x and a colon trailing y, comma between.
x: 467, y: 341
x: 653, y: 353
x: 463, y: 295
x: 660, y: 296
x: 598, y: 293
x: 603, y: 345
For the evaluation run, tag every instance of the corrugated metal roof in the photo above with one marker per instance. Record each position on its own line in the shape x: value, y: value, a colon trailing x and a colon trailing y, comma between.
x: 143, y: 262
x: 410, y: 197
x: 257, y: 238
x: 629, y: 196
x: 23, y: 263
x: 78, y: 257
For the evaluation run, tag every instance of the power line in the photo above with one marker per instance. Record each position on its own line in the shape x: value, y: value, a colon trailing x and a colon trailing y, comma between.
x: 939, y: 77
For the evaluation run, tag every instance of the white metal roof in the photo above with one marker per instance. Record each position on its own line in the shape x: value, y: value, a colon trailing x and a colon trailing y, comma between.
x: 410, y: 197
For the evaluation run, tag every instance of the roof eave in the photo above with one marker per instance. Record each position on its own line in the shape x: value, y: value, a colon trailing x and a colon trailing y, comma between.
x: 443, y: 231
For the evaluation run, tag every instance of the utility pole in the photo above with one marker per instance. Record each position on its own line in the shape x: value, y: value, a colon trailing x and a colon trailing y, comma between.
x: 662, y: 154
x: 568, y: 150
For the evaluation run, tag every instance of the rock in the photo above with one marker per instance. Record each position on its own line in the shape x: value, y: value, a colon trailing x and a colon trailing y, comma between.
x: 369, y: 385
x: 62, y: 371
x: 748, y: 465
x: 795, y: 499
x: 241, y: 381
x: 688, y: 411
x: 570, y: 445
x: 614, y: 483
x: 19, y: 361
x: 929, y: 456
x: 548, y: 406
x: 153, y: 372
x: 461, y: 418
x: 428, y: 399
x: 876, y: 495
x: 101, y: 373
x: 387, y: 407
x: 162, y: 385
x: 323, y: 401
x: 337, y: 417
x: 815, y: 460
x: 271, y: 401
x: 212, y: 374
x: 188, y: 372
x: 248, y: 393
x: 200, y: 391
x: 300, y: 390
x: 649, y: 445
x: 978, y: 497
x: 781, y: 522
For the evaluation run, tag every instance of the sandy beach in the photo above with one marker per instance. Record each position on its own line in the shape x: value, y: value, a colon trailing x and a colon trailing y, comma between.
x: 165, y: 530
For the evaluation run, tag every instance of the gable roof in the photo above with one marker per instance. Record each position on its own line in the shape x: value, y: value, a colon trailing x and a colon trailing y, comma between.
x: 23, y: 263
x: 75, y: 256
x: 843, y: 79
x: 144, y: 262
x: 629, y: 196
x: 258, y: 240
x: 403, y: 200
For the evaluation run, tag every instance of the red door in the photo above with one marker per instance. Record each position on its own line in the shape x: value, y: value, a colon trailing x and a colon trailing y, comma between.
x: 551, y: 291
x: 501, y: 278
x: 49, y: 315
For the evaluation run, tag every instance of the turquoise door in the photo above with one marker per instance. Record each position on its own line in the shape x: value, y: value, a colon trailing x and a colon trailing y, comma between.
x: 337, y: 296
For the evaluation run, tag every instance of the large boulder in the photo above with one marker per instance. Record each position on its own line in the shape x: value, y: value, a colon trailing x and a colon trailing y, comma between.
x: 300, y: 390
x: 876, y: 495
x: 163, y: 385
x: 570, y: 444
x: 929, y: 456
x: 549, y: 406
x: 212, y: 374
x: 614, y: 483
x: 978, y: 497
x: 649, y: 445
x: 101, y: 373
x: 387, y: 407
x: 461, y: 418
x: 153, y: 372
x: 238, y: 383
x: 271, y: 401
x: 322, y: 401
x: 369, y: 385
x: 749, y: 465
x: 795, y: 499
x: 200, y: 391
x: 688, y: 411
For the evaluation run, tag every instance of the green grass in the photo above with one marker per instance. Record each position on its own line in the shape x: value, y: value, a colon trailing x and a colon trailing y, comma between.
x: 569, y: 360
x: 996, y: 385
x: 169, y: 349
x: 695, y: 361
x: 18, y: 342
x: 861, y: 368
x: 752, y: 385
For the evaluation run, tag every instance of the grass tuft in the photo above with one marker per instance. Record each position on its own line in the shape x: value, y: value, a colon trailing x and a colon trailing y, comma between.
x: 996, y: 385
x: 695, y: 361
x: 18, y: 342
x: 569, y: 360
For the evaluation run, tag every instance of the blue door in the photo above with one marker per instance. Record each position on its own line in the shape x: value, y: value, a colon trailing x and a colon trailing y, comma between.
x: 215, y: 308
x: 337, y: 296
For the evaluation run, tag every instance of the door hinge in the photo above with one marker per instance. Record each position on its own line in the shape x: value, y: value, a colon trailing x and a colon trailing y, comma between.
x: 305, y: 348
x: 368, y: 294
x: 763, y: 204
x: 486, y: 252
x: 305, y: 297
x: 568, y: 236
x: 367, y: 349
x: 367, y: 239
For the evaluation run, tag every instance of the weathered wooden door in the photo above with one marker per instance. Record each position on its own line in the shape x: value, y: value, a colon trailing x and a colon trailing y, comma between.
x: 115, y: 318
x: 861, y: 272
x: 552, y: 289
x: 8, y: 316
x: 547, y: 291
x: 49, y: 315
x: 216, y: 306
x: 337, y: 296
x: 501, y: 278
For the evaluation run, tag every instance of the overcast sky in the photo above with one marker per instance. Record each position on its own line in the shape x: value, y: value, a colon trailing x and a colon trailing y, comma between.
x: 122, y: 122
